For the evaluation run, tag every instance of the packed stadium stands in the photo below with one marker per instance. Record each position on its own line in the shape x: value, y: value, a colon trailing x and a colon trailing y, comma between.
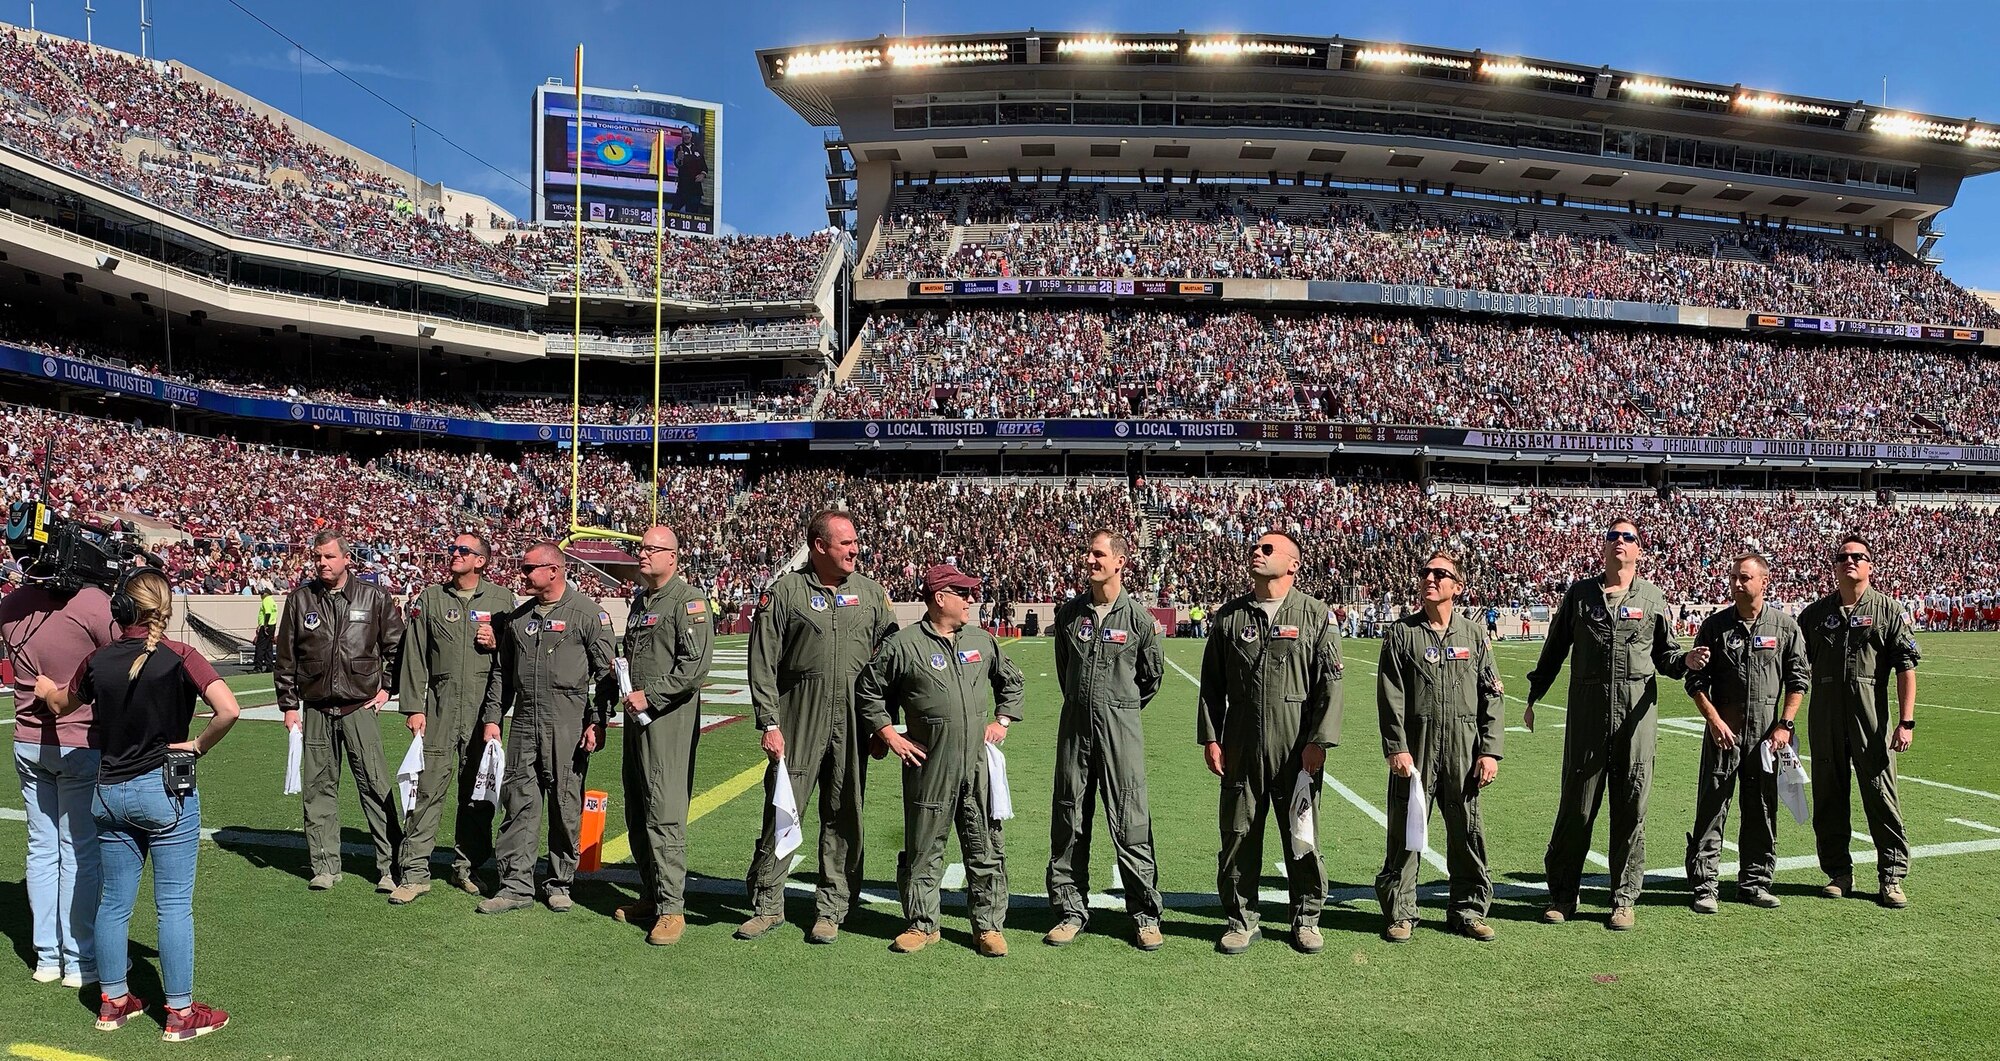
x: 986, y: 229
x: 1439, y: 370
x: 148, y: 130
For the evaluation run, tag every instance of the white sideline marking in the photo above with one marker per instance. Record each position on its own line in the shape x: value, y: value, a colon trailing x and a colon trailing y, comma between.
x: 1953, y: 788
x: 1981, y: 826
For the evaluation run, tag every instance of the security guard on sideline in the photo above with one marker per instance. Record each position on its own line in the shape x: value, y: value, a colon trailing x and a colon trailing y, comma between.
x: 1270, y: 708
x: 1109, y: 665
x: 938, y: 676
x: 1440, y: 698
x: 337, y: 642
x: 815, y: 629
x: 555, y: 649
x: 669, y: 644
x: 1617, y: 634
x: 265, y: 656
x: 450, y: 683
x: 1856, y: 637
x: 1749, y: 692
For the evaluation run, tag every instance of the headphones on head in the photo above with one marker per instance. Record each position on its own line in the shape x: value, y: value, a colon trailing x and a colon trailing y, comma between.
x: 125, y: 610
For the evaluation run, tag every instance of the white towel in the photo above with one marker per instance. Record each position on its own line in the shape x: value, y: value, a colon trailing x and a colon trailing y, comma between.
x: 785, y: 812
x: 999, y: 799
x: 1792, y: 779
x: 492, y: 770
x: 1305, y: 825
x: 407, y: 774
x: 295, y: 750
x: 1417, y: 826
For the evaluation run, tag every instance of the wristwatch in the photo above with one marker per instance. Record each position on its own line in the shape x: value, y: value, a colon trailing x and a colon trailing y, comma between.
x: 1908, y: 724
x: 1787, y: 725
x: 1004, y: 721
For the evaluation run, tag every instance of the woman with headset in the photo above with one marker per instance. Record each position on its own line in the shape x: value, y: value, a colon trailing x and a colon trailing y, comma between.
x: 143, y: 688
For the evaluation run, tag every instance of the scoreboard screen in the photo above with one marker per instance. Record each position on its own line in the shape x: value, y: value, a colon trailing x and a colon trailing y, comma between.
x: 615, y: 136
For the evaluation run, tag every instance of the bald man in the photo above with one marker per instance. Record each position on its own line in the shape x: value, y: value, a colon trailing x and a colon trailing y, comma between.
x: 669, y: 642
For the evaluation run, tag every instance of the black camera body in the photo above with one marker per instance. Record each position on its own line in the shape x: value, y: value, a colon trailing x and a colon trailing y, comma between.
x: 178, y: 774
x: 65, y: 555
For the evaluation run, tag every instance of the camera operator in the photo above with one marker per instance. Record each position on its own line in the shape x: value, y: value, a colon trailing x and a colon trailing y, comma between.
x: 146, y: 801
x: 49, y: 629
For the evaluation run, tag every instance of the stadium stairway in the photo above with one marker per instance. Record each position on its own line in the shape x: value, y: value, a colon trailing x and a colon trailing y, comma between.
x: 602, y: 247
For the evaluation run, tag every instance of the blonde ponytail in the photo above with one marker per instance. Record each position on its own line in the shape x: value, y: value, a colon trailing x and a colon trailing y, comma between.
x: 153, y: 598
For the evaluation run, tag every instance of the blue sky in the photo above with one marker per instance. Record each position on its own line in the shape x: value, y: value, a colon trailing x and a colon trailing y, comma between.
x: 468, y: 68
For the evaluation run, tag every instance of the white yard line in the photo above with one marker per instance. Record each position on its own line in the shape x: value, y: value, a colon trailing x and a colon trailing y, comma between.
x: 1969, y: 823
x: 1953, y: 788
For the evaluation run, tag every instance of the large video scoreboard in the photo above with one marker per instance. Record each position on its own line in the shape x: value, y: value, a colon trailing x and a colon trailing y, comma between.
x: 615, y: 134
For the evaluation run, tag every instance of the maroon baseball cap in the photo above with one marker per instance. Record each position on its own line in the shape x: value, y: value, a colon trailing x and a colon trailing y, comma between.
x: 945, y: 576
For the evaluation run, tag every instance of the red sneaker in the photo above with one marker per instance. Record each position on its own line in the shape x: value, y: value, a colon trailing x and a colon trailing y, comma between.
x: 112, y: 1013
x: 194, y: 1021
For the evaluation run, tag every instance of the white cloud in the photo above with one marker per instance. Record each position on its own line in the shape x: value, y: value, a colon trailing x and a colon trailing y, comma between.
x: 289, y: 62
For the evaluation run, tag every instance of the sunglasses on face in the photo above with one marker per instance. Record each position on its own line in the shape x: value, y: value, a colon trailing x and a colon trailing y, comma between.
x: 529, y: 569
x: 462, y: 550
x: 1620, y: 536
x: 1438, y: 574
x: 1263, y: 549
x: 962, y: 592
x: 1853, y: 558
x: 648, y: 550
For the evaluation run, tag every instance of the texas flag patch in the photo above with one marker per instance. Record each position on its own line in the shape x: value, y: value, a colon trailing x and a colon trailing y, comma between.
x: 1114, y: 637
x: 557, y: 626
x: 969, y: 655
x: 1631, y: 611
x: 1455, y: 652
x: 1764, y: 641
x: 847, y: 600
x: 481, y: 617
x: 1285, y: 633
x: 649, y: 619
x: 1861, y: 620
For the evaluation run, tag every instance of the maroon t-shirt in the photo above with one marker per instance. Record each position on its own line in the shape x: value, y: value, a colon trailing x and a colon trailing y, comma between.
x: 45, y: 633
x: 136, y: 719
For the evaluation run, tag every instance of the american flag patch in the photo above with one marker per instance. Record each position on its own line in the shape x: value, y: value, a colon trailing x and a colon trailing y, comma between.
x: 969, y: 655
x: 1285, y: 633
x: 1116, y: 637
x: 1631, y: 611
x: 1455, y: 652
x: 847, y: 600
x: 696, y: 607
x: 1763, y: 641
x: 557, y: 626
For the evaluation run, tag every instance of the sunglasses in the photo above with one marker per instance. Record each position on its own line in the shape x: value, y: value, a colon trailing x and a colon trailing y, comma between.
x: 1438, y: 574
x: 461, y: 550
x: 1853, y: 558
x: 529, y: 569
x: 648, y: 550
x: 1620, y: 536
x: 1263, y: 549
x: 961, y: 591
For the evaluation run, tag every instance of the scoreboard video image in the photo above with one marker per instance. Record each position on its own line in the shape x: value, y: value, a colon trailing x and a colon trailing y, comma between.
x: 619, y: 135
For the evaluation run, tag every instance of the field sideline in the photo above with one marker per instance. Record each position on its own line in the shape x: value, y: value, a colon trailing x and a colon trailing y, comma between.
x: 342, y: 974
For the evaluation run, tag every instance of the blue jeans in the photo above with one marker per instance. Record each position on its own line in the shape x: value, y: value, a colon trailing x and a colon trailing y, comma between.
x: 63, y: 876
x: 136, y: 818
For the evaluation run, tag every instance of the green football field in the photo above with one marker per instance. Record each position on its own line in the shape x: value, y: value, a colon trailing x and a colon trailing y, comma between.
x: 343, y: 975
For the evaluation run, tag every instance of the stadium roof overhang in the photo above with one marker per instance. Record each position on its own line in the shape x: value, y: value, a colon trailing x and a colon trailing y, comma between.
x: 859, y: 85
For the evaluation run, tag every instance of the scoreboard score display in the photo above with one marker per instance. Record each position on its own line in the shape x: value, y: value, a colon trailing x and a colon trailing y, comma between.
x: 614, y: 137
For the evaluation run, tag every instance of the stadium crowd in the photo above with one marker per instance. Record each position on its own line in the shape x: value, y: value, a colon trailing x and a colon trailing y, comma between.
x: 1445, y: 370
x: 202, y: 153
x: 1154, y: 232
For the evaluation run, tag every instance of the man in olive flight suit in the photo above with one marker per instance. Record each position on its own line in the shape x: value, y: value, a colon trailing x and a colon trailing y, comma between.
x: 1270, y: 708
x: 449, y: 685
x: 1616, y: 633
x: 669, y: 644
x: 955, y: 692
x: 1440, y: 698
x: 555, y: 650
x: 1856, y: 637
x: 1109, y: 665
x: 1749, y: 693
x: 815, y: 629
